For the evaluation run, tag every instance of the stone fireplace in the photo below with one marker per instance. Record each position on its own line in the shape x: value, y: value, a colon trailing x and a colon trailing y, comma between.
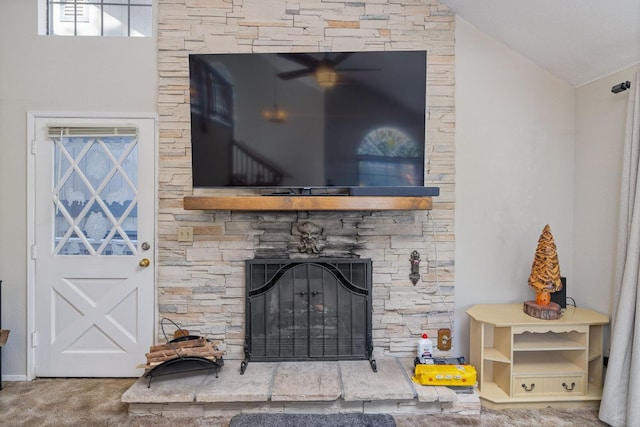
x: 315, y: 309
x: 202, y: 283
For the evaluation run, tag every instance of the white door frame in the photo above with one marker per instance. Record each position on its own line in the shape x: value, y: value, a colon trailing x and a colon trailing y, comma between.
x: 31, y: 223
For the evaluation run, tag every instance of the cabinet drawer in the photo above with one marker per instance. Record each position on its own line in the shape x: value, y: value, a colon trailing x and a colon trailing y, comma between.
x: 536, y: 386
x: 565, y: 385
x: 527, y: 386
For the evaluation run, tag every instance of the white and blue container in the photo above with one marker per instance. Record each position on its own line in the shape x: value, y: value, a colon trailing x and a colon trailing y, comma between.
x: 425, y: 350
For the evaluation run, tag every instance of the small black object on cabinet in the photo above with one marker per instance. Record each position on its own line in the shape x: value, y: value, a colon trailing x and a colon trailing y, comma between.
x: 560, y: 297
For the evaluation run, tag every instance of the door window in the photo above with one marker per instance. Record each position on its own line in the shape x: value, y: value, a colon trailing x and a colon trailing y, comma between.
x: 94, y: 198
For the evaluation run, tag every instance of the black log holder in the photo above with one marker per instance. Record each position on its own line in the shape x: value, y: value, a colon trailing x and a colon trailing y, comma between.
x: 182, y: 364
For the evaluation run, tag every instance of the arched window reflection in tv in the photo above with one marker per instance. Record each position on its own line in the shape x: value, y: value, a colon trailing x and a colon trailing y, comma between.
x: 388, y: 157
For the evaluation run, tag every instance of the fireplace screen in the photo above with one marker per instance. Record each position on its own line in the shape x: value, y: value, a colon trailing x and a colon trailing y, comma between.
x: 308, y: 310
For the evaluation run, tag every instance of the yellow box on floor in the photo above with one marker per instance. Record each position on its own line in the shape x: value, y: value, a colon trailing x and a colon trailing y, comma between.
x: 445, y: 375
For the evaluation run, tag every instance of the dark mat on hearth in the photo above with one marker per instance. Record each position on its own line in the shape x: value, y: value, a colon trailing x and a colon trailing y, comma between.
x: 313, y: 420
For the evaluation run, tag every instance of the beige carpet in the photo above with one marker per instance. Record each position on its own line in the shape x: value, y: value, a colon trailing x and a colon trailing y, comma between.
x: 96, y: 402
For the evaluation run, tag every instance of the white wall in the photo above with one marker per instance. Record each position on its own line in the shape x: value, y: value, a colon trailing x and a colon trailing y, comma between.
x: 600, y: 123
x: 514, y: 172
x: 40, y: 73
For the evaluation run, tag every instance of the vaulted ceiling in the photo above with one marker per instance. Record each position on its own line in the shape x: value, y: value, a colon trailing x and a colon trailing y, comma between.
x: 577, y: 40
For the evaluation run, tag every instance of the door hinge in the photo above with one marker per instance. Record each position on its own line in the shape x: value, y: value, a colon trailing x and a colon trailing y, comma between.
x: 33, y: 146
x: 33, y: 252
x: 34, y: 339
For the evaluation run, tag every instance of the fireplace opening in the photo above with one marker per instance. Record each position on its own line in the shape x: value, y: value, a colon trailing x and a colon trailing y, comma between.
x: 310, y: 309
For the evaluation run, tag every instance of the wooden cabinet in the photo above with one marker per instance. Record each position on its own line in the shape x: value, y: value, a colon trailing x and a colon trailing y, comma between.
x: 523, y: 361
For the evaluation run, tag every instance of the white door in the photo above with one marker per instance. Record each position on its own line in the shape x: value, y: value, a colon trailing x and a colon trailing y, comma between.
x: 94, y: 246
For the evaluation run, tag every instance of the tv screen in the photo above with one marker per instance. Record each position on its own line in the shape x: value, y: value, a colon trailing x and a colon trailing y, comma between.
x: 307, y: 120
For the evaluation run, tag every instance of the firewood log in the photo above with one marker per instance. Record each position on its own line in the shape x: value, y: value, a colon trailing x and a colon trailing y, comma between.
x: 181, y: 351
x: 206, y: 350
x: 198, y: 342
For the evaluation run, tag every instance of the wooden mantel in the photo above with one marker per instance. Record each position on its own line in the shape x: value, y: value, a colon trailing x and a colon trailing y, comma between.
x: 306, y: 203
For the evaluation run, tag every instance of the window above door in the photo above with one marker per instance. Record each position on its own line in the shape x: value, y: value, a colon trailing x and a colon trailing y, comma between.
x: 119, y: 18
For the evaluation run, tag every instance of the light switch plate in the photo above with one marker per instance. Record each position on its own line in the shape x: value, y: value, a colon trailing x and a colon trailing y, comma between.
x: 185, y: 234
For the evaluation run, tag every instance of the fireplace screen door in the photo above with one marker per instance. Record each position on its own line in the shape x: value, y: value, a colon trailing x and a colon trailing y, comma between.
x: 308, y: 310
x: 94, y: 279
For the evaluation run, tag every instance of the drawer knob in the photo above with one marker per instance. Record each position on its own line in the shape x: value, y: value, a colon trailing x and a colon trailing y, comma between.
x: 569, y: 388
x: 524, y: 386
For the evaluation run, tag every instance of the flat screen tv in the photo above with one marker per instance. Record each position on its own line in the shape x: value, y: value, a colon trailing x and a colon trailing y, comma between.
x: 308, y: 120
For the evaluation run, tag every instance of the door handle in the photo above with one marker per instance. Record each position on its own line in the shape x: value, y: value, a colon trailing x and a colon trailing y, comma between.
x: 144, y: 262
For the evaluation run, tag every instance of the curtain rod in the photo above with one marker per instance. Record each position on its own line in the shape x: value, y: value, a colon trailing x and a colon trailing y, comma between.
x: 621, y: 87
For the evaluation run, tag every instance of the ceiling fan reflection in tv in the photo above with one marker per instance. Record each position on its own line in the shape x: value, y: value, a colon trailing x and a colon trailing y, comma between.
x: 325, y: 70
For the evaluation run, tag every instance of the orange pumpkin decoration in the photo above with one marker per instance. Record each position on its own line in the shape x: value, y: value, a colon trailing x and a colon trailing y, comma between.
x: 543, y: 298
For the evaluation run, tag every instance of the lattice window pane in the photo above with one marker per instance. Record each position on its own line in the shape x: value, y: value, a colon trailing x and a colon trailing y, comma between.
x: 95, y: 194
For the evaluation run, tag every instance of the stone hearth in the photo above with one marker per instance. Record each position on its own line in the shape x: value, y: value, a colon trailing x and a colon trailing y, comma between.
x: 297, y: 387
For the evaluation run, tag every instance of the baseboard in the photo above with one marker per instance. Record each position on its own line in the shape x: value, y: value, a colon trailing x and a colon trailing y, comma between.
x: 15, y: 378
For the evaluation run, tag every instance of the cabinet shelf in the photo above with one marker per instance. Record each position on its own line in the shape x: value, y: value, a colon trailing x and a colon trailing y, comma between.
x: 546, y: 363
x: 594, y: 355
x: 548, y: 342
x: 304, y: 203
x: 494, y: 392
x: 495, y: 355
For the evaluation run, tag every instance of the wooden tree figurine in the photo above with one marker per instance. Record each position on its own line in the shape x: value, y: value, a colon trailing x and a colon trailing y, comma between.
x: 544, y: 278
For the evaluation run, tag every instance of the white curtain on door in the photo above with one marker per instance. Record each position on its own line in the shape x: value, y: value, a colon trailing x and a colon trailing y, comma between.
x: 621, y: 393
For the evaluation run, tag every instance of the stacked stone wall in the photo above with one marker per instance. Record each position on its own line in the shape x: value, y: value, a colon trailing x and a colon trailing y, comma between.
x: 201, y: 284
